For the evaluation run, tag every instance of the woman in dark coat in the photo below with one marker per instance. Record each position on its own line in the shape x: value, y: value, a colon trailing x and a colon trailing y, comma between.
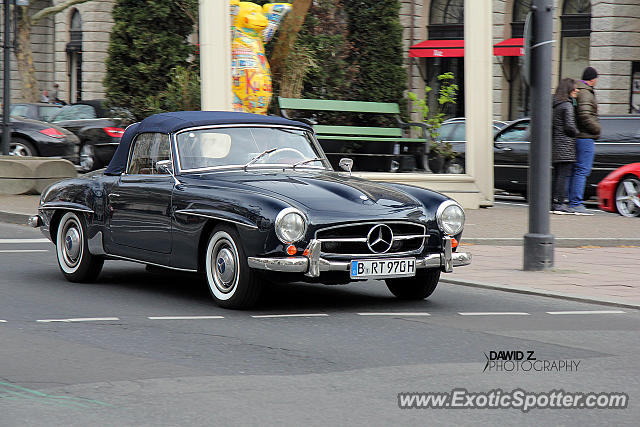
x: 563, y: 142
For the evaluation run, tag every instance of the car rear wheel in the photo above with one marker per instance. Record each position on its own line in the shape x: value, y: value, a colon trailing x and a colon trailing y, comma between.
x: 22, y: 147
x: 628, y: 197
x: 74, y: 259
x: 415, y: 288
x: 231, y: 282
x: 88, y: 159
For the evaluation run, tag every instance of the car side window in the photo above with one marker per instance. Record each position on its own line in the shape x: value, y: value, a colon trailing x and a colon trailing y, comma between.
x: 517, y: 133
x: 148, y: 149
x: 20, y: 110
x: 75, y: 112
x: 459, y: 133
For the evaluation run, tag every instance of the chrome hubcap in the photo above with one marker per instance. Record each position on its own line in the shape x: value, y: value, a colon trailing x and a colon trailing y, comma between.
x: 628, y: 197
x: 19, y: 150
x: 225, y: 268
x: 72, y: 243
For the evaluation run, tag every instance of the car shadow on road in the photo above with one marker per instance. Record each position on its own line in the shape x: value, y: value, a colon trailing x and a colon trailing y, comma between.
x: 192, y: 288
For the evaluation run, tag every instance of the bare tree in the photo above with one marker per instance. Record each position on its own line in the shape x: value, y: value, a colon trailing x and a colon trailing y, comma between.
x: 24, y: 52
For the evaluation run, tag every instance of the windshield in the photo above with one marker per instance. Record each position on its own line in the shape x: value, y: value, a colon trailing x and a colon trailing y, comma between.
x: 247, y: 147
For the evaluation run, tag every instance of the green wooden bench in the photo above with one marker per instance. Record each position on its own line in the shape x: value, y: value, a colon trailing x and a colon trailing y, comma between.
x: 373, y: 148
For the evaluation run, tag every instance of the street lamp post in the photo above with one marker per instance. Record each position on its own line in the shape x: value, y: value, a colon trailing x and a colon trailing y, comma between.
x: 6, y: 93
x: 538, y: 243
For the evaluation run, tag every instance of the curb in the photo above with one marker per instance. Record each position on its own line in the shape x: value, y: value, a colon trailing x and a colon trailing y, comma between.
x: 14, y: 218
x: 541, y: 293
x: 559, y: 242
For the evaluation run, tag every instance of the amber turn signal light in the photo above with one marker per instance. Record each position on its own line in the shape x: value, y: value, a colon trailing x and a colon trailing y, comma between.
x: 454, y: 243
x: 292, y: 250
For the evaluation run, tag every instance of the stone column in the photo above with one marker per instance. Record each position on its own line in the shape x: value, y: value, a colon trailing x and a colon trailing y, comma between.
x: 478, y: 63
x: 215, y: 55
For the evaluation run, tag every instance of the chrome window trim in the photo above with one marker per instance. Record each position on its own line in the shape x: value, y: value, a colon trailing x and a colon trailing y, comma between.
x: 133, y: 143
x: 312, y: 139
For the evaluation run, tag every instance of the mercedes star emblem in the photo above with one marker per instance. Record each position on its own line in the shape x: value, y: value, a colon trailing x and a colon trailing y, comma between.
x: 380, y: 238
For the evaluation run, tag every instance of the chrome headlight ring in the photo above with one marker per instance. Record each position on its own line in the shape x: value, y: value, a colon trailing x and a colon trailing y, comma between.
x: 290, y: 225
x: 450, y: 217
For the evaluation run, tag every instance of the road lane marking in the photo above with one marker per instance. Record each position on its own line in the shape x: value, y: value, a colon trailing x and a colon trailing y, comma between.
x: 268, y: 316
x: 588, y: 312
x: 394, y: 314
x: 183, y: 317
x: 495, y: 313
x: 21, y: 251
x: 3, y: 321
x: 14, y: 241
x: 79, y: 319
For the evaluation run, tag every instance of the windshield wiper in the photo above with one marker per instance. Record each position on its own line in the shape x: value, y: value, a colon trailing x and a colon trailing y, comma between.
x: 317, y: 159
x: 258, y: 157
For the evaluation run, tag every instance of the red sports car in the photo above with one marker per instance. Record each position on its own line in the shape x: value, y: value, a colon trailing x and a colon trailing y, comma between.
x: 620, y: 191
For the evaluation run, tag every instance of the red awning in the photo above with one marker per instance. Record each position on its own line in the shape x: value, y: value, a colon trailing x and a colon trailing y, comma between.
x: 437, y: 49
x: 455, y: 48
x: 509, y: 47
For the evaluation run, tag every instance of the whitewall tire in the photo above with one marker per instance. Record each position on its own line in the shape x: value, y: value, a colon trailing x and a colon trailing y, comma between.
x: 231, y: 282
x: 74, y: 259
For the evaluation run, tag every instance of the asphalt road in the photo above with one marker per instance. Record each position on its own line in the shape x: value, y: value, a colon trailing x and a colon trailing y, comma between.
x: 142, y: 348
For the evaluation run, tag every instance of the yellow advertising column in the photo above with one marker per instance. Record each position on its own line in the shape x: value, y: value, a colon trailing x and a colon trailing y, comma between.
x: 215, y: 55
x: 478, y: 88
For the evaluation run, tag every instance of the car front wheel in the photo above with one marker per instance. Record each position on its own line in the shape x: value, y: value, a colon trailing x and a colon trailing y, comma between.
x: 74, y: 259
x: 628, y: 197
x: 415, y: 288
x: 231, y: 282
x: 21, y: 147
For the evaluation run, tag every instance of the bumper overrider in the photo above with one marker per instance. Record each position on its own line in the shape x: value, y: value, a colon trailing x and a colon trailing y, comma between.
x: 312, y: 264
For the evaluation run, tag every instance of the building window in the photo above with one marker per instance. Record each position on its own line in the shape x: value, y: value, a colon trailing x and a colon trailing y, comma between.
x: 446, y: 22
x: 74, y: 57
x: 576, y: 38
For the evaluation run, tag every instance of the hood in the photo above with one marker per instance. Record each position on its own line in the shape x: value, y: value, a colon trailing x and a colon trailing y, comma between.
x: 318, y: 190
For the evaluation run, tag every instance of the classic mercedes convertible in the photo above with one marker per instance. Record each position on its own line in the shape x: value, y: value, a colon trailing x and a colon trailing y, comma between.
x: 245, y: 199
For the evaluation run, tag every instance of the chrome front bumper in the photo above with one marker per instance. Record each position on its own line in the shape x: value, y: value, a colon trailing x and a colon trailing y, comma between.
x: 312, y: 264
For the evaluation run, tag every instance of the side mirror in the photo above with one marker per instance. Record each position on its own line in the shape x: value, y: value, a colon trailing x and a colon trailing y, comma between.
x: 164, y: 166
x: 346, y: 164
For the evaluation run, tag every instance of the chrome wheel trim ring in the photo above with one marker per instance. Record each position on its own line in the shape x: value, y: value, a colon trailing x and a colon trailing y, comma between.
x: 628, y: 197
x: 70, y: 243
x: 222, y: 266
x: 87, y: 157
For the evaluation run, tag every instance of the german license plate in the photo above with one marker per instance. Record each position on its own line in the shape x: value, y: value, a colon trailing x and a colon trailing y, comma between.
x: 387, y: 268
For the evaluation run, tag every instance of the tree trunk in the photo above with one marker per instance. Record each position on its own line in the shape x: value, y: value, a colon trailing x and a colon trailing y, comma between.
x: 24, y: 57
x: 287, y: 37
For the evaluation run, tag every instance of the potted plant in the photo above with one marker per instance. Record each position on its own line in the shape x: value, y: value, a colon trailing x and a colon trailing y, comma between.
x: 440, y: 152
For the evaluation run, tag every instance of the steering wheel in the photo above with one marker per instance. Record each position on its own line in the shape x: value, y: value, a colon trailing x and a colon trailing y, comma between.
x: 282, y: 154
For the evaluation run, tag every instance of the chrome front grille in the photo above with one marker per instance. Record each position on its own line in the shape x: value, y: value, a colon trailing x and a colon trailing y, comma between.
x: 368, y: 239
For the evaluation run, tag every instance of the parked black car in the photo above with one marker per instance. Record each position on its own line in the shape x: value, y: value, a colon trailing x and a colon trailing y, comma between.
x: 98, y: 128
x: 36, y: 138
x: 619, y: 144
x: 34, y: 110
x: 244, y: 199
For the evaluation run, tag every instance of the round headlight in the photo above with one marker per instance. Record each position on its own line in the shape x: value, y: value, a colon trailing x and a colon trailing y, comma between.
x: 450, y: 217
x: 290, y: 225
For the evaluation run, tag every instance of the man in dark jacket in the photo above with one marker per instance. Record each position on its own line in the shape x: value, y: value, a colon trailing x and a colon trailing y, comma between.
x: 588, y: 132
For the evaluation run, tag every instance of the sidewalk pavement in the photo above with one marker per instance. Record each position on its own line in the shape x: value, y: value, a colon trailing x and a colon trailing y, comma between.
x: 596, y: 257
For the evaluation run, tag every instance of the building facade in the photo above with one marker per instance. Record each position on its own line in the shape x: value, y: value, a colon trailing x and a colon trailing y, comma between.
x: 603, y: 34
x: 69, y: 49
